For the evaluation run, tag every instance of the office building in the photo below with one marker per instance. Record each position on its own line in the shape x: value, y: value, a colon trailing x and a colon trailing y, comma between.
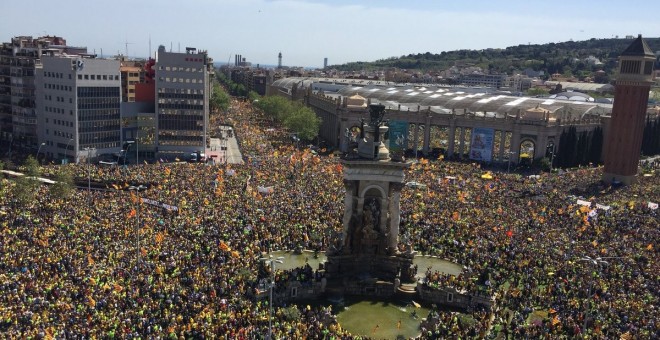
x: 182, y: 101
x: 78, y: 106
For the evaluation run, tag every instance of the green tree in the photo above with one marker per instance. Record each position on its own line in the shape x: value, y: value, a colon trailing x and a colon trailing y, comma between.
x: 275, y: 106
x: 64, y: 184
x: 219, y: 99
x: 537, y: 91
x: 26, y: 187
x: 303, y: 121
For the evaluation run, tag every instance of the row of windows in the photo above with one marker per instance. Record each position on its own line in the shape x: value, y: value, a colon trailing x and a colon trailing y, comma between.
x: 98, y: 91
x: 98, y: 77
x: 57, y: 98
x: 61, y: 122
x: 101, y: 137
x: 59, y: 75
x: 181, y: 107
x: 181, y: 96
x: 56, y: 110
x: 97, y: 145
x: 58, y: 133
x: 95, y: 105
x: 181, y: 80
x: 58, y: 87
x: 181, y: 101
x: 93, y: 115
x: 181, y: 68
x: 180, y: 91
x: 111, y: 126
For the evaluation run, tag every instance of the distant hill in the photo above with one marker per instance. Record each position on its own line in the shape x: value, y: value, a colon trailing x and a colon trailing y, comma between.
x: 550, y: 58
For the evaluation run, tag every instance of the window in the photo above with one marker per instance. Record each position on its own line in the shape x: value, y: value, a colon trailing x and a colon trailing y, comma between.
x: 87, y: 77
x: 648, y: 67
x: 69, y: 75
x: 80, y: 77
x: 105, y: 77
x: 93, y: 77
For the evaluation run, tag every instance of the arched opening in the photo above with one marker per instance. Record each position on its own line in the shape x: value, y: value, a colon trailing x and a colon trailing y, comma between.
x: 527, y: 151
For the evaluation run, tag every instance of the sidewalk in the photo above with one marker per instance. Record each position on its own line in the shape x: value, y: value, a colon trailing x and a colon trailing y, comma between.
x: 232, y: 154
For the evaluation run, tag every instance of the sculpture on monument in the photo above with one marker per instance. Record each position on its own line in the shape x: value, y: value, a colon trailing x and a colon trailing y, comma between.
x: 368, y: 245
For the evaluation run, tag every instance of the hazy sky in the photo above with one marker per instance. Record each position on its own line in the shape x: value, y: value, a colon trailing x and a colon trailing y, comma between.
x: 306, y: 31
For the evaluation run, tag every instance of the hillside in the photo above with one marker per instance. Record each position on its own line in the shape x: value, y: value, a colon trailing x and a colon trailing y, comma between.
x: 550, y: 58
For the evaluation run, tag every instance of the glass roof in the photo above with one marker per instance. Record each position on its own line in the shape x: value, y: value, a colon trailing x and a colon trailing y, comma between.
x: 444, y: 99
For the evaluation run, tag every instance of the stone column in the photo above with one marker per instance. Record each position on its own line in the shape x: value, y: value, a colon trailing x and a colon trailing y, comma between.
x: 348, y: 212
x: 461, y: 142
x: 502, y: 145
x: 416, y: 137
x: 395, y: 215
x: 515, y: 142
x: 427, y: 136
x: 452, y: 136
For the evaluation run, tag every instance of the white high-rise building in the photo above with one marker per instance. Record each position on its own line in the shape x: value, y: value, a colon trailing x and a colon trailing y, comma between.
x: 78, y: 107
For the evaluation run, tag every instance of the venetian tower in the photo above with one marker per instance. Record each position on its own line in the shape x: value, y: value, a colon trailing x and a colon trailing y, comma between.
x: 626, y: 127
x: 368, y: 248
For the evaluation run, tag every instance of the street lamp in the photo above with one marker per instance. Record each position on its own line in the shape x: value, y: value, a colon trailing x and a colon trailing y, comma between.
x: 137, y: 219
x: 89, y: 173
x: 66, y: 151
x: 271, y: 261
x: 596, y: 262
x: 128, y: 146
x: 39, y: 150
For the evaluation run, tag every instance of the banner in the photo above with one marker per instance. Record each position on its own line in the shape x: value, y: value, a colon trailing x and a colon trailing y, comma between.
x: 160, y: 205
x: 398, y: 135
x: 481, y: 146
x: 584, y: 203
x: 265, y: 190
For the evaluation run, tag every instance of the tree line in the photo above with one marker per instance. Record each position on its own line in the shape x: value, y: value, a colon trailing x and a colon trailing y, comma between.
x: 565, y: 58
x: 585, y: 148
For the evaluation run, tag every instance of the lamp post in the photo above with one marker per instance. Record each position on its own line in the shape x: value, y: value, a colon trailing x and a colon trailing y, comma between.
x: 271, y: 261
x: 128, y: 146
x: 89, y: 173
x: 66, y: 151
x: 39, y: 150
x: 137, y: 219
x: 596, y: 262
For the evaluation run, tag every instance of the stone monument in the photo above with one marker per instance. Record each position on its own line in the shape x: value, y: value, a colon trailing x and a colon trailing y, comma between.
x: 368, y: 250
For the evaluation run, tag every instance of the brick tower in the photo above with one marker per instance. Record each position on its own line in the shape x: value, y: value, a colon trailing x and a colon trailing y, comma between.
x: 626, y: 127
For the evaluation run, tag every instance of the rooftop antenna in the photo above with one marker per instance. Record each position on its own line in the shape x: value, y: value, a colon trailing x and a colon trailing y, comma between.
x: 101, y: 53
x: 170, y: 47
x: 126, y: 43
x: 149, y: 45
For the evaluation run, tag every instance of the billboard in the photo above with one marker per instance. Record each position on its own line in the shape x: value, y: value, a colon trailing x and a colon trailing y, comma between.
x: 481, y: 146
x: 398, y: 135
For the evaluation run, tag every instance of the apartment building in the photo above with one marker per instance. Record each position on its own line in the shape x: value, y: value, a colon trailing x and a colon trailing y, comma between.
x: 183, y: 90
x: 78, y: 106
x: 18, y: 121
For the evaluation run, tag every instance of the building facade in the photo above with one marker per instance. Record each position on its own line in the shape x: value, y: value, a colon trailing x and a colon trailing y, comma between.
x: 18, y: 58
x: 78, y: 107
x: 183, y: 89
x: 436, y: 117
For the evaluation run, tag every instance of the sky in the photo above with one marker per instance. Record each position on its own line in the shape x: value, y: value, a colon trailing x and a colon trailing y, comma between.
x: 306, y: 31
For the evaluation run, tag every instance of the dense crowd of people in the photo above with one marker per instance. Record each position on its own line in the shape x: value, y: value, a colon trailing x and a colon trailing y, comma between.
x: 103, y: 264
